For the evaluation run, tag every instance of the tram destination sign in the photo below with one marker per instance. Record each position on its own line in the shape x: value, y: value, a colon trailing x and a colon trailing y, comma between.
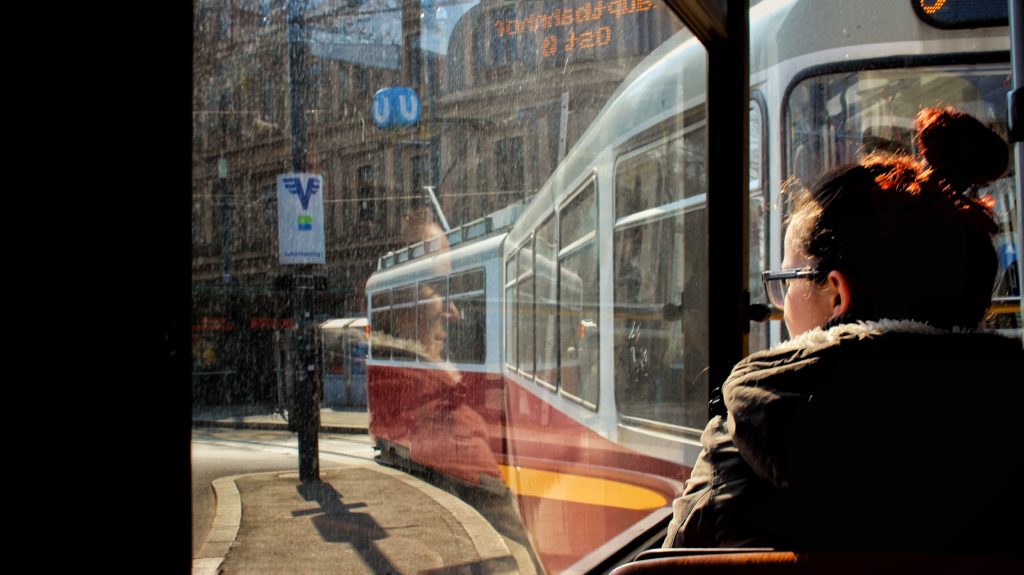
x: 574, y: 27
x: 962, y: 13
x: 300, y: 218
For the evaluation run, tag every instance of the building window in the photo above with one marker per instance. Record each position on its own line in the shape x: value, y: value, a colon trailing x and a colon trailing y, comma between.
x: 366, y: 199
x: 314, y: 87
x: 456, y: 69
x: 420, y: 178
x: 509, y: 160
x: 268, y: 99
x: 415, y: 55
x: 360, y: 83
x: 504, y: 47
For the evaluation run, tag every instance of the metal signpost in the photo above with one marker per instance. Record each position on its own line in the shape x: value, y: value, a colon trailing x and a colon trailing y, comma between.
x: 300, y: 229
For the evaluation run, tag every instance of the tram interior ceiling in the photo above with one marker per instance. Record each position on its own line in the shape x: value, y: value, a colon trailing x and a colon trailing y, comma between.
x: 544, y: 227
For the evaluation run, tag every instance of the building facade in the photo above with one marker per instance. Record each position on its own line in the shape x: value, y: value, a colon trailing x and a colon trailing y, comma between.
x: 503, y: 90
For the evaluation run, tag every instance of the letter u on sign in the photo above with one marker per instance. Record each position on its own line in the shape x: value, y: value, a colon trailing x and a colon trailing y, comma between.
x: 395, y: 107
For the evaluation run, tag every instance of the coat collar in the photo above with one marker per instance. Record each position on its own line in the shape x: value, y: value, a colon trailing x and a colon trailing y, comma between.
x: 862, y: 329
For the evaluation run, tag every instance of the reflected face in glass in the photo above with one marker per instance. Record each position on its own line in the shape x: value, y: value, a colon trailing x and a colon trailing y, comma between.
x: 433, y: 333
x: 435, y: 307
x: 807, y: 305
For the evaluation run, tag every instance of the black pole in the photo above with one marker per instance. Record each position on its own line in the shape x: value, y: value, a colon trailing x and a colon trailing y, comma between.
x: 307, y: 392
x: 306, y: 419
x: 728, y: 195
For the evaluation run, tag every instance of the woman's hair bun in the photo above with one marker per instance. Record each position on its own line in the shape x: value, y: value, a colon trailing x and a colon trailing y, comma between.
x: 960, y: 149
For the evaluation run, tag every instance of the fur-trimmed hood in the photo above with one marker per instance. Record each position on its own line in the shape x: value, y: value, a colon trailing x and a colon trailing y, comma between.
x: 860, y: 329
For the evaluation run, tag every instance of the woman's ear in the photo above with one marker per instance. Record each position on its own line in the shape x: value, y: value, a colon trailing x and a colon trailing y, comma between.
x: 839, y: 287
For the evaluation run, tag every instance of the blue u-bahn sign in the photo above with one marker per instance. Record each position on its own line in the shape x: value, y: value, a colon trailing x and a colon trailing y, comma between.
x: 396, y: 107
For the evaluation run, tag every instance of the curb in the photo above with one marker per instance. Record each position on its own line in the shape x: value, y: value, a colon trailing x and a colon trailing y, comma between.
x: 488, y: 543
x: 222, y: 534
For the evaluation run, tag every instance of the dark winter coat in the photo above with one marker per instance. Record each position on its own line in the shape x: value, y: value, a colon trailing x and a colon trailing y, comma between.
x: 888, y: 435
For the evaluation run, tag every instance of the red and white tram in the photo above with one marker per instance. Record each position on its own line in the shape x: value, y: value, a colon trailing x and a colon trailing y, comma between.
x: 435, y: 384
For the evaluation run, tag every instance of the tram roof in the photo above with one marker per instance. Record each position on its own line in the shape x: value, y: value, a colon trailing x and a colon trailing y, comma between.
x: 477, y: 229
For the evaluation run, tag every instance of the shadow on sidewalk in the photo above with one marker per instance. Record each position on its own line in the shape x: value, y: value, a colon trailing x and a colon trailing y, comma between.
x: 339, y: 524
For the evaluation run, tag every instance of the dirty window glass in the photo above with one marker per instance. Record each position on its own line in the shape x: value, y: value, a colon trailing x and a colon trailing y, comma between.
x: 358, y: 167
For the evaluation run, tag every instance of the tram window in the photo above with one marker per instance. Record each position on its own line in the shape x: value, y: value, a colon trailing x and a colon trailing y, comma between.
x: 639, y: 187
x: 403, y: 323
x: 526, y: 315
x: 380, y: 322
x: 758, y: 247
x: 660, y: 260
x: 578, y: 217
x: 546, y: 256
x: 468, y: 282
x: 687, y: 164
x: 578, y: 362
x: 834, y: 119
x: 691, y: 241
x: 467, y: 336
x: 432, y: 320
x: 510, y: 311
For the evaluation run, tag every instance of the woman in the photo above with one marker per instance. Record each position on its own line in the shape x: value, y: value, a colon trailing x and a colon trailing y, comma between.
x: 888, y: 421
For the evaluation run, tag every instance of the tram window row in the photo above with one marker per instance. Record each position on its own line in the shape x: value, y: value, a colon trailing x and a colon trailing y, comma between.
x: 405, y: 319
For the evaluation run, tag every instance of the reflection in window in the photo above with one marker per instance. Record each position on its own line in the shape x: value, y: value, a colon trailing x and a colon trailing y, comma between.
x: 660, y: 275
x: 432, y: 320
x: 443, y: 324
x: 578, y: 297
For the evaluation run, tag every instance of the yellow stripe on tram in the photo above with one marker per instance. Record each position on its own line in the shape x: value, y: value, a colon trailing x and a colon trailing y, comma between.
x: 580, y: 489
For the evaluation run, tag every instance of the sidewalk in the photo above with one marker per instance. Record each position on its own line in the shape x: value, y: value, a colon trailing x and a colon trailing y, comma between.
x: 359, y: 519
